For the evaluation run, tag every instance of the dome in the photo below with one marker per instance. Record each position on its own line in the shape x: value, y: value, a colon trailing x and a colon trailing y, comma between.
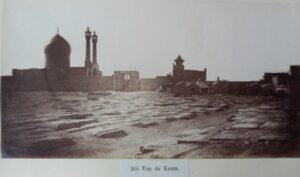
x: 57, y: 54
x: 58, y: 45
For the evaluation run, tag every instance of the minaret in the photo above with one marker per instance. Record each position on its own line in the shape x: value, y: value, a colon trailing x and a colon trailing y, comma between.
x: 88, y: 48
x: 178, y: 69
x: 94, y: 40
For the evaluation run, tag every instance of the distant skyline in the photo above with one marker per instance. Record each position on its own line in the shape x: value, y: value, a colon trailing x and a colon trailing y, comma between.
x: 235, y: 40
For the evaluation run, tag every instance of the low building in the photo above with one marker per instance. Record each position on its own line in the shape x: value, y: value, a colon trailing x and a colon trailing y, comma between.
x: 127, y: 81
x: 197, y: 88
x: 279, y: 80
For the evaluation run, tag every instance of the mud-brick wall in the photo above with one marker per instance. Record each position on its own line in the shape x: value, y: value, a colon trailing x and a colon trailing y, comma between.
x: 294, y: 84
x: 294, y: 97
x: 127, y: 85
x: 8, y: 83
x: 191, y: 75
x: 88, y: 83
x: 45, y: 80
x: 152, y: 84
x: 25, y: 80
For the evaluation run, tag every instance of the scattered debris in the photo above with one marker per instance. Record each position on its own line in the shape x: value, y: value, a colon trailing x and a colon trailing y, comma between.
x: 145, y: 150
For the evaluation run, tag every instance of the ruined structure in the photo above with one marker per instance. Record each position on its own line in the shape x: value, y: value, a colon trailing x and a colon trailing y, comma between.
x: 127, y: 81
x: 280, y: 78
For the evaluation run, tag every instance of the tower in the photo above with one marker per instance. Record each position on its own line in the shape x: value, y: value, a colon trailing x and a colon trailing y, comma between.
x: 94, y: 40
x: 88, y: 48
x: 178, y: 69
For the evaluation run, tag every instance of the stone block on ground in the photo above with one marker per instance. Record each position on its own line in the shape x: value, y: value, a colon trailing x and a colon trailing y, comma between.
x: 224, y: 106
x: 250, y: 120
x: 100, y: 93
x: 238, y: 118
x: 265, y: 107
x: 113, y: 134
x: 171, y: 119
x: 93, y: 98
x: 214, y: 109
x: 276, y: 137
x: 196, y: 131
x: 167, y: 148
x: 173, y: 151
x: 274, y: 125
x: 112, y: 113
x: 148, y: 149
x: 156, y: 145
x: 75, y: 116
x: 145, y: 125
x: 245, y: 126
x: 83, y: 128
x: 189, y: 116
x: 72, y: 125
x: 250, y: 110
x: 194, y: 139
x: 228, y: 136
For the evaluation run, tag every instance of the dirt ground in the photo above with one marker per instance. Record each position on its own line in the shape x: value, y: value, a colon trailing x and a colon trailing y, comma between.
x: 145, y: 125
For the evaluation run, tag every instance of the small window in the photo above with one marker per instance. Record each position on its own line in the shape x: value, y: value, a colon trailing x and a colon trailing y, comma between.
x: 127, y: 77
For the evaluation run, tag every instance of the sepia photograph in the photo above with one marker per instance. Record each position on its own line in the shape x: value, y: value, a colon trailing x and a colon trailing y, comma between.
x: 141, y: 79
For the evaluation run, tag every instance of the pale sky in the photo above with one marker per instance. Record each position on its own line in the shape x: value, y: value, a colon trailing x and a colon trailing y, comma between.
x: 235, y: 40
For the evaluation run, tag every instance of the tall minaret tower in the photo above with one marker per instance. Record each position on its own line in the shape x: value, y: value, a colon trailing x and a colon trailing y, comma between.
x: 94, y: 40
x: 88, y: 48
x: 178, y: 69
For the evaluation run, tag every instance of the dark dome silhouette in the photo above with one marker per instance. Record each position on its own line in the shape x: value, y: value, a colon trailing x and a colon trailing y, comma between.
x: 58, y: 53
